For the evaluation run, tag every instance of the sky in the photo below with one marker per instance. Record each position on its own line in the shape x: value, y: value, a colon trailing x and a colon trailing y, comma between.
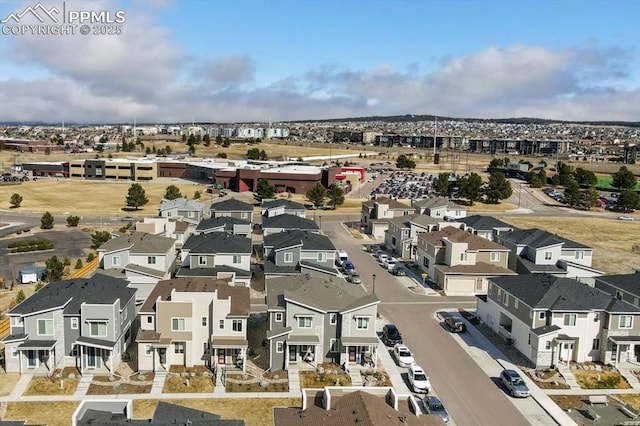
x: 253, y: 61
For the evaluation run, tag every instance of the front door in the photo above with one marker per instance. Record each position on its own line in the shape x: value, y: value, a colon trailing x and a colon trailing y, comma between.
x: 32, y: 362
x: 352, y: 354
x: 91, y: 357
x: 221, y: 356
x: 162, y: 355
x: 293, y: 353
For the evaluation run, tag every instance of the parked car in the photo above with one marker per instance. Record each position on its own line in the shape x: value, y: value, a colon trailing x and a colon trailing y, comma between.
x: 373, y: 248
x: 354, y: 277
x: 382, y: 257
x: 391, y: 335
x: 348, y: 266
x: 625, y: 218
x: 434, y: 406
x: 399, y: 271
x: 342, y: 257
x: 390, y: 263
x: 455, y: 324
x: 403, y: 356
x: 514, y: 384
x: 419, y: 380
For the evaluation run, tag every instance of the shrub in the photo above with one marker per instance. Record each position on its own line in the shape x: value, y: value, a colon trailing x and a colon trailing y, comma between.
x: 79, y: 264
x: 90, y: 257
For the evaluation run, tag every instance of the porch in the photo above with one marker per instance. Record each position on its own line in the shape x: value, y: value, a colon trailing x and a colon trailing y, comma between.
x: 37, y: 356
x: 359, y: 352
x: 625, y: 349
x: 95, y: 355
x: 229, y: 353
x: 563, y: 349
x: 302, y: 352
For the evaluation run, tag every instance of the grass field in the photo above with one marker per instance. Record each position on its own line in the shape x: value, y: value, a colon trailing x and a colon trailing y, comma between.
x: 612, y: 240
x: 55, y: 413
x: 604, y: 182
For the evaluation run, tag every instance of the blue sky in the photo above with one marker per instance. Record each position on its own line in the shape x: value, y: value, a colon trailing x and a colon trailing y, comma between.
x: 254, y: 60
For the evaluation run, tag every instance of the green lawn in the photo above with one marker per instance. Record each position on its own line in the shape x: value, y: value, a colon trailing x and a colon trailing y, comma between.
x: 604, y: 182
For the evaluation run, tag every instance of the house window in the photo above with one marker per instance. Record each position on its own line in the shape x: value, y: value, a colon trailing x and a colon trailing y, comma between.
x: 304, y: 322
x: 98, y: 329
x: 74, y: 323
x: 178, y: 348
x: 626, y: 321
x: 596, y: 317
x: 579, y: 255
x: 288, y: 257
x: 149, y: 319
x: 14, y: 352
x: 505, y: 298
x: 178, y: 324
x: 191, y: 214
x: 333, y: 319
x: 362, y: 323
x: 542, y: 315
x: 596, y: 344
x: 636, y: 301
x: 333, y: 345
x: 322, y: 257
x: 169, y: 214
x: 17, y: 321
x: 116, y: 261
x: 151, y: 260
x: 495, y: 256
x: 279, y: 347
x: 45, y: 327
x: 529, y: 340
x: 618, y: 295
x: 221, y: 324
x: 515, y: 303
x: 244, y: 215
x: 202, y: 260
x: 547, y: 255
x: 393, y: 241
x: 237, y: 326
x: 425, y: 262
x: 278, y: 316
x: 463, y: 257
x: 148, y: 350
x: 204, y: 321
x: 570, y: 320
x: 547, y: 345
x: 237, y: 259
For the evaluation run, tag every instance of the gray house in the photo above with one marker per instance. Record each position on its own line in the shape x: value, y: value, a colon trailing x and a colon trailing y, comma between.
x: 232, y: 208
x: 439, y: 207
x: 233, y: 225
x: 190, y: 211
x: 623, y: 287
x: 296, y: 252
x: 217, y: 255
x: 320, y: 319
x: 282, y: 206
x: 484, y: 226
x: 402, y: 236
x: 287, y: 222
x: 84, y: 323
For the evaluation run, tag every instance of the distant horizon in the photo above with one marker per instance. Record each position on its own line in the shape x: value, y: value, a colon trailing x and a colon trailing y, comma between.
x: 289, y: 61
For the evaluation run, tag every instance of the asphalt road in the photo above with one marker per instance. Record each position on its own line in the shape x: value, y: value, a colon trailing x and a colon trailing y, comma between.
x: 471, y: 397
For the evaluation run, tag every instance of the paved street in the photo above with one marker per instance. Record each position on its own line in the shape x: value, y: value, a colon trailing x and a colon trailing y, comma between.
x: 471, y: 397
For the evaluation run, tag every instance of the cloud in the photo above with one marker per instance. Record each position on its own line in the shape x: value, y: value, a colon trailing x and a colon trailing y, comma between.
x: 144, y: 74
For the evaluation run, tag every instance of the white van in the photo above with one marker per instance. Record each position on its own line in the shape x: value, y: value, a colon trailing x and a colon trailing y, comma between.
x: 342, y: 257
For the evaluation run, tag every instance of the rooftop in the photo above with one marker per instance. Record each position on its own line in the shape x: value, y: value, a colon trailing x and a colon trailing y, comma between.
x: 456, y: 235
x: 139, y: 243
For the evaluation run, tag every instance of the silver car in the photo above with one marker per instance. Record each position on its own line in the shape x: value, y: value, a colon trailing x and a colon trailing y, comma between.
x: 514, y: 384
x: 354, y: 277
x: 434, y: 406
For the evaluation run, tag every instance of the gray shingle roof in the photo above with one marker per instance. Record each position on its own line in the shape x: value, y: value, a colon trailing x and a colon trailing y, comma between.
x: 223, y: 221
x: 309, y: 240
x: 217, y: 242
x: 231, y: 205
x: 561, y: 294
x: 72, y: 293
x: 537, y: 238
x: 626, y: 282
x: 545, y: 329
x: 483, y: 223
x: 432, y: 203
x: 139, y: 243
x: 182, y: 204
x: 288, y: 204
x: 288, y: 221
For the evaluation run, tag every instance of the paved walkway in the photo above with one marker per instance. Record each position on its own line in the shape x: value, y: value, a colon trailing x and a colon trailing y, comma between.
x: 22, y: 384
x: 158, y: 383
x: 83, y: 385
x: 568, y: 376
x: 294, y: 380
x: 627, y: 369
x: 392, y: 370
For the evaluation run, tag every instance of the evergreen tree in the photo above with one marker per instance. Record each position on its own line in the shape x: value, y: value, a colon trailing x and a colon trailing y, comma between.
x: 136, y: 196
x: 470, y: 187
x: 98, y: 238
x: 441, y: 184
x: 54, y: 269
x: 317, y: 194
x: 15, y: 200
x: 73, y: 220
x: 628, y: 200
x: 572, y: 193
x: 20, y: 297
x: 404, y: 162
x: 46, y: 222
x: 264, y: 190
x: 172, y: 192
x: 584, y: 177
x: 498, y: 188
x: 623, y: 179
x: 335, y: 195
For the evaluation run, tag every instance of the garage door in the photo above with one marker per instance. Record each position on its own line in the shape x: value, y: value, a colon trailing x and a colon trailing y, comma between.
x: 458, y: 286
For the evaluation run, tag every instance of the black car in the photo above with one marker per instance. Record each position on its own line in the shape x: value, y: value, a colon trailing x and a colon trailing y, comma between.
x: 390, y: 335
x: 455, y: 324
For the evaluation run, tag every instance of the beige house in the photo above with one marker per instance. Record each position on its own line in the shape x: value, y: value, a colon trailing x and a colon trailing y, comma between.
x: 193, y: 321
x: 460, y: 262
x: 375, y: 215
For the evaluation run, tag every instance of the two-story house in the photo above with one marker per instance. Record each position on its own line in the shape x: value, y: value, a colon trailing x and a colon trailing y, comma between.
x: 460, y: 262
x: 402, y: 236
x: 376, y: 213
x: 623, y: 286
x: 232, y: 208
x: 233, y: 225
x: 319, y: 319
x: 177, y: 229
x: 142, y: 259
x: 83, y: 323
x: 553, y: 319
x: 190, y: 211
x: 282, y: 206
x: 217, y: 255
x: 287, y: 222
x: 193, y: 321
x: 439, y: 208
x: 484, y: 226
x: 296, y: 252
x: 534, y: 251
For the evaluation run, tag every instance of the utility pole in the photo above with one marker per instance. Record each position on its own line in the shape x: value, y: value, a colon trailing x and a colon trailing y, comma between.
x: 374, y: 283
x: 435, y: 133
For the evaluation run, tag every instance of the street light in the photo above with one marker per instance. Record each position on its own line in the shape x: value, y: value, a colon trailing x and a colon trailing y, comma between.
x: 374, y: 283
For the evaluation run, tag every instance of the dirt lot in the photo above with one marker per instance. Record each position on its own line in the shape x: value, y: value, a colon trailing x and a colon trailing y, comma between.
x: 611, y: 239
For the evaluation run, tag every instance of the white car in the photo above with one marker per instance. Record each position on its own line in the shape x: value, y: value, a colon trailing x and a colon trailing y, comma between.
x: 403, y: 356
x: 391, y: 263
x: 625, y: 218
x: 419, y: 380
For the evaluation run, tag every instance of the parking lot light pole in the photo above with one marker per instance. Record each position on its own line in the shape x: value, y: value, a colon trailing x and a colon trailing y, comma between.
x: 374, y: 283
